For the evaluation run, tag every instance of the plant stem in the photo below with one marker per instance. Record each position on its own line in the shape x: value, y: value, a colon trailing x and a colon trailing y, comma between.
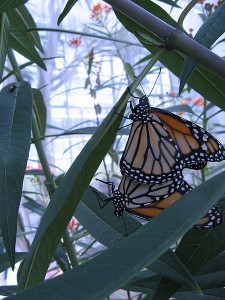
x: 84, y: 34
x: 42, y: 156
x: 173, y: 38
x: 70, y: 249
x: 204, y: 126
x: 14, y: 64
x: 185, y: 12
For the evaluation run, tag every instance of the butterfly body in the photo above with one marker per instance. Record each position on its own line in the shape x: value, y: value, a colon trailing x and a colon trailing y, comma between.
x: 133, y: 193
x: 148, y: 201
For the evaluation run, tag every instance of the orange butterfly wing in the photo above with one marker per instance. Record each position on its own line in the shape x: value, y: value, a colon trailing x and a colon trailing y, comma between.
x: 196, y: 145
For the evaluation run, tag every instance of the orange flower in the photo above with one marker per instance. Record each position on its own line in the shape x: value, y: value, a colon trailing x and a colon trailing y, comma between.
x: 198, y: 101
x: 98, y: 9
x: 96, y: 12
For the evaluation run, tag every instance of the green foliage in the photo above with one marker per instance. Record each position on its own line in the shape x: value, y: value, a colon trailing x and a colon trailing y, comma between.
x: 208, y: 33
x: 126, y: 258
x: 203, y: 81
x: 15, y: 133
x: 66, y: 10
x: 67, y: 196
x: 24, y: 43
x: 7, y: 5
x: 40, y: 110
x: 4, y: 40
x: 145, y: 259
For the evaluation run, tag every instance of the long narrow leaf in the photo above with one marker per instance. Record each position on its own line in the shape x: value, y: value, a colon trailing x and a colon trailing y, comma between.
x: 66, y: 10
x: 67, y: 196
x: 6, y: 5
x: 208, y: 33
x: 4, y: 260
x: 196, y: 249
x: 109, y: 229
x: 25, y: 21
x: 21, y: 42
x: 4, y: 40
x: 110, y: 270
x: 171, y: 267
x: 15, y: 133
x: 40, y: 110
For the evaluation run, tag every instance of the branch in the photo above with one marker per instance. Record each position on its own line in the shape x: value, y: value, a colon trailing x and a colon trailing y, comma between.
x: 172, y: 37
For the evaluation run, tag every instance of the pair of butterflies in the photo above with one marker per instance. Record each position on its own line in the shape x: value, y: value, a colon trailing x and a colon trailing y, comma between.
x: 159, y: 147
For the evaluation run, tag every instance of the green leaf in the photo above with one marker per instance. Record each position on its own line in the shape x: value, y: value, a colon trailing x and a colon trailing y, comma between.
x: 170, y: 2
x: 196, y: 249
x: 8, y: 290
x: 6, y: 5
x: 66, y: 10
x: 171, y: 267
x: 22, y: 42
x: 143, y: 283
x: 4, y: 260
x: 24, y: 21
x: 90, y: 61
x: 188, y: 296
x: 40, y: 110
x: 211, y: 280
x: 109, y: 229
x: 4, y: 40
x: 206, y: 83
x: 67, y: 196
x: 215, y: 265
x: 15, y: 133
x: 204, y: 244
x: 208, y: 33
x: 99, y: 277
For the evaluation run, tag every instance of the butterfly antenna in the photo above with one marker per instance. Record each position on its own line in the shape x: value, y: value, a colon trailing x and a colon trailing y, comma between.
x: 109, y: 183
x: 155, y: 81
x: 124, y: 126
x: 142, y: 88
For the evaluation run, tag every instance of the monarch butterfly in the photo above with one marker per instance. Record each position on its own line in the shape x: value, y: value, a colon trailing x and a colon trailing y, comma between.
x: 161, y: 144
x: 147, y: 201
x: 213, y: 218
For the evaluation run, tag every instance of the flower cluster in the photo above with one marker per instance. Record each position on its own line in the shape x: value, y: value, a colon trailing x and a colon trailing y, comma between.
x: 211, y: 7
x: 73, y: 225
x: 98, y: 11
x: 75, y: 42
x: 199, y: 101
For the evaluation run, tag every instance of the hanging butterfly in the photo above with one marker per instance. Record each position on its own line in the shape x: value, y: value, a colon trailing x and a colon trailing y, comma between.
x: 213, y: 218
x: 161, y: 144
x: 147, y: 201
